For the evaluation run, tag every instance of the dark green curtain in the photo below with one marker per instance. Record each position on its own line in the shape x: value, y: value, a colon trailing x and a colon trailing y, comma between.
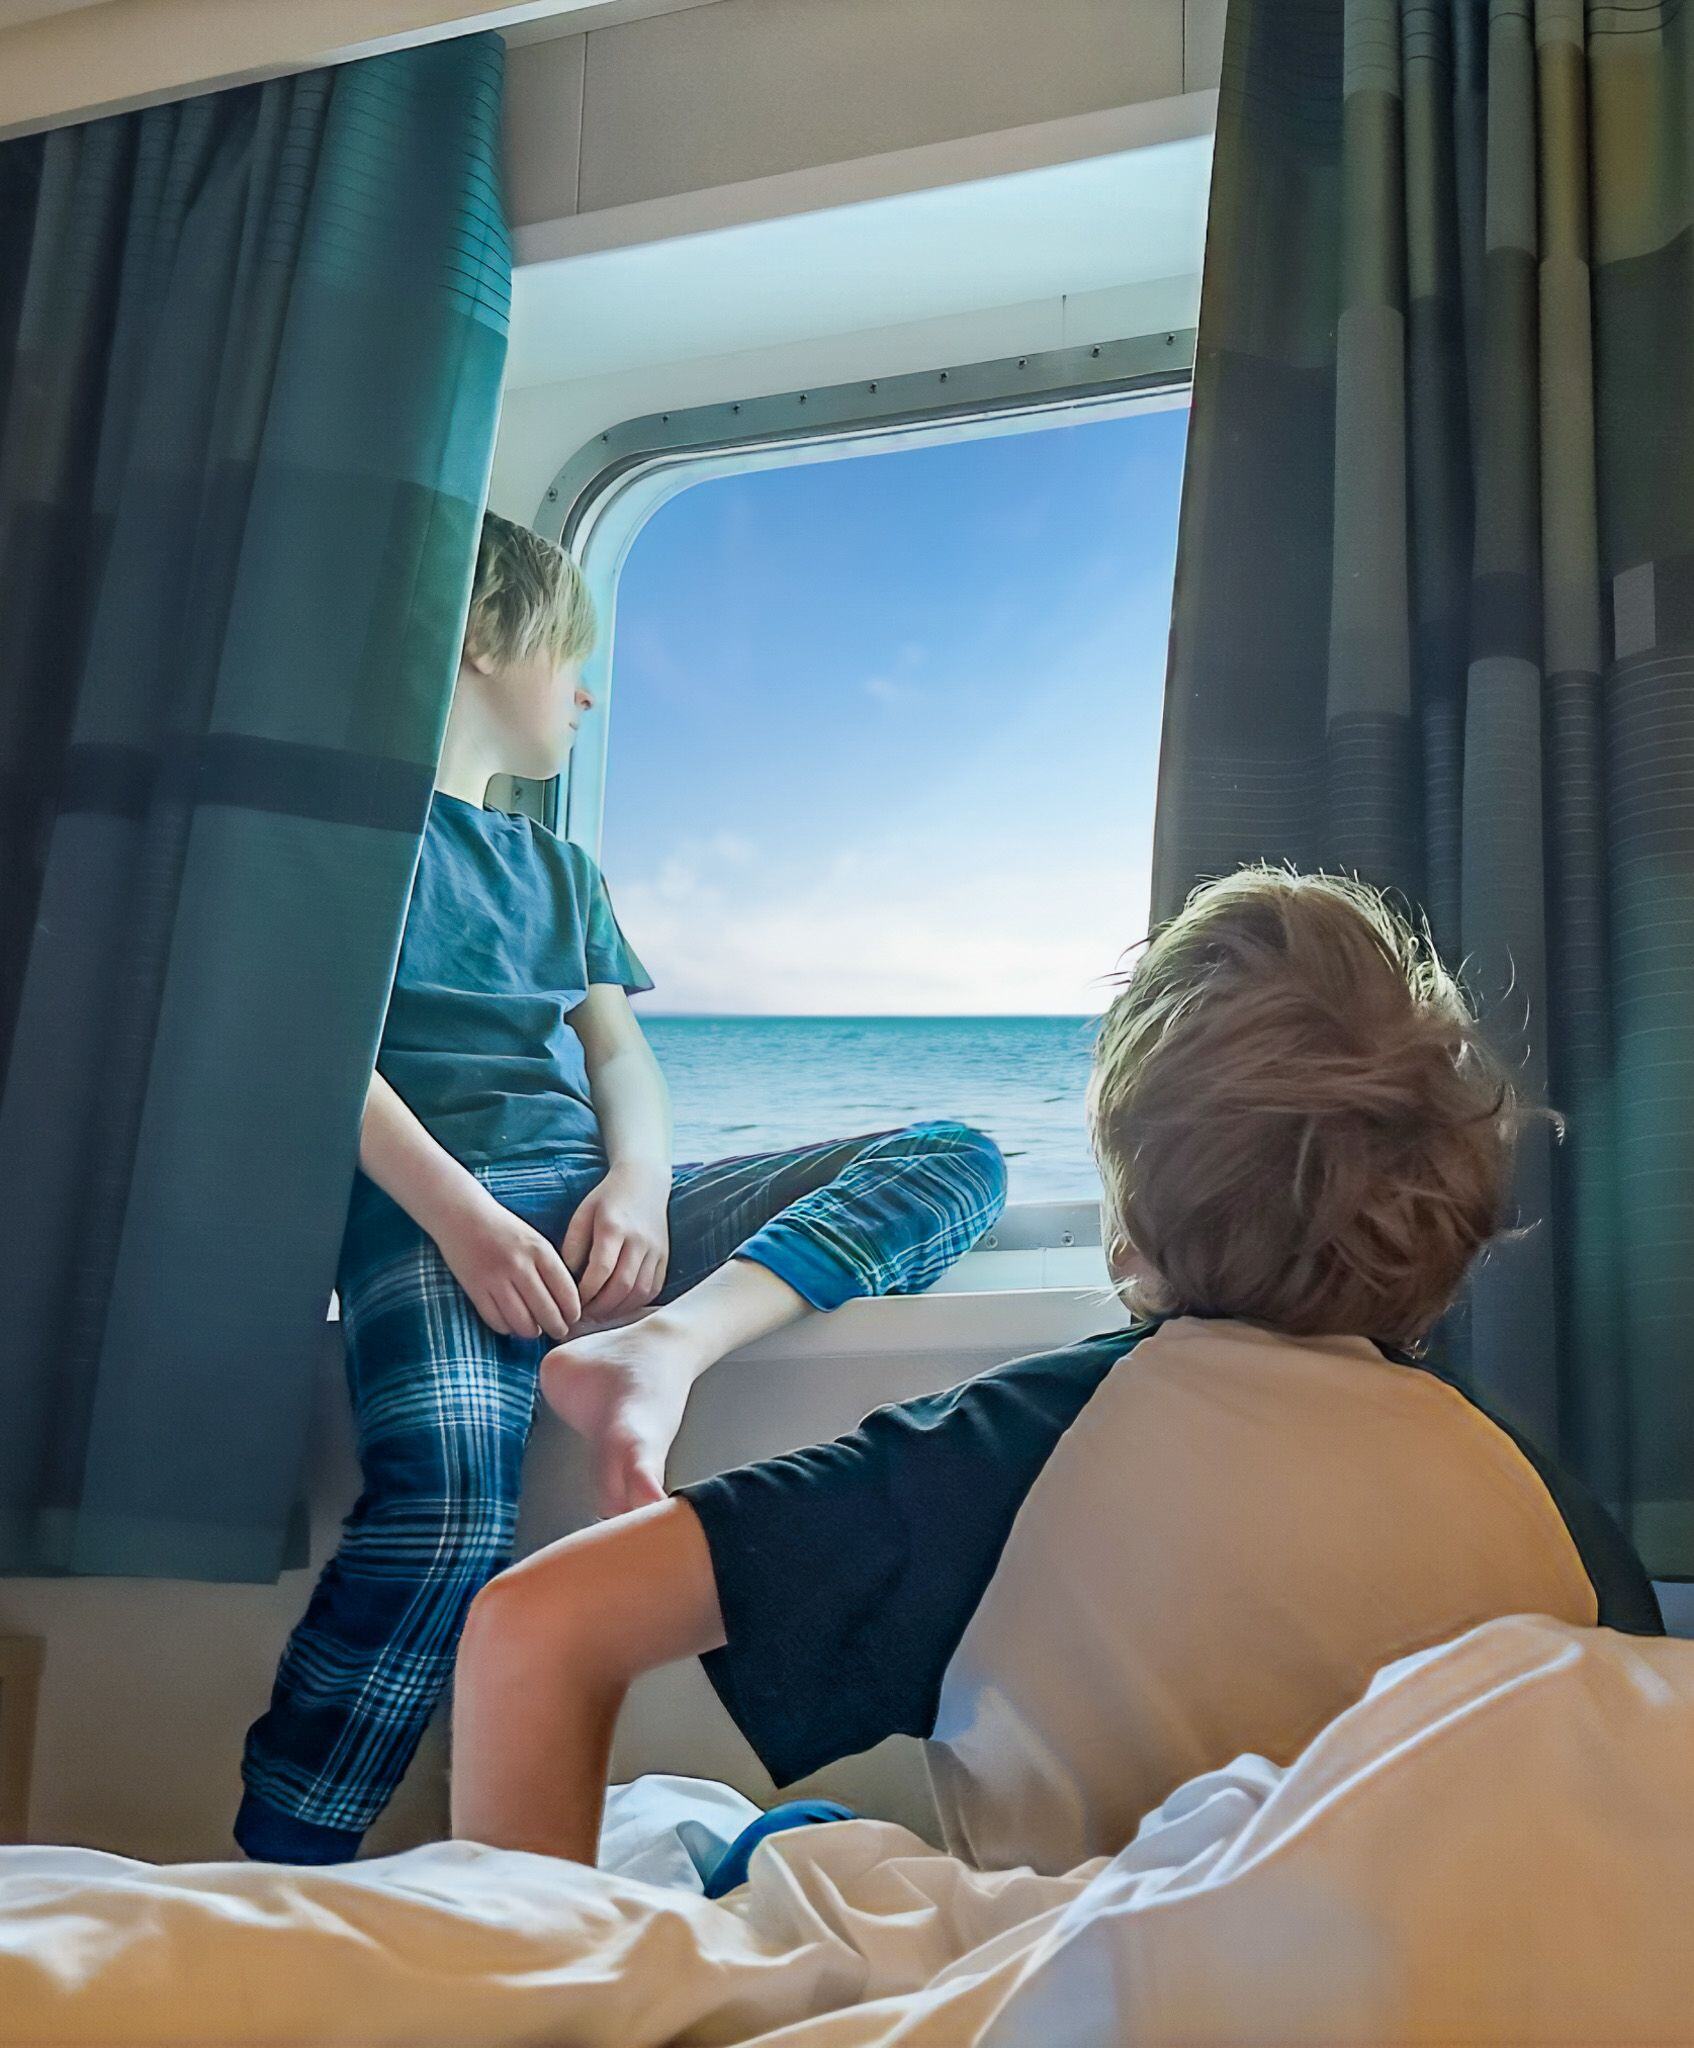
x: 250, y: 356
x: 1435, y: 613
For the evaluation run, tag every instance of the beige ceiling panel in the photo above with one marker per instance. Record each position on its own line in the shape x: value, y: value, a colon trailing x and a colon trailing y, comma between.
x: 544, y: 129
x: 1202, y: 38
x: 62, y: 63
x: 752, y: 88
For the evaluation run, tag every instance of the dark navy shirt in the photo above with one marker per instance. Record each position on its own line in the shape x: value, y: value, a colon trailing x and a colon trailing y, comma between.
x: 509, y: 926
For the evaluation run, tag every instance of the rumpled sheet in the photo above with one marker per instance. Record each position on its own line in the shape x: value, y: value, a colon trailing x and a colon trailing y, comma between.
x: 1496, y: 1845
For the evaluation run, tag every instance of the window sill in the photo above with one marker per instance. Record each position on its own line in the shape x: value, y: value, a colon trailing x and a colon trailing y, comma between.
x: 1041, y: 1267
x: 1004, y: 1321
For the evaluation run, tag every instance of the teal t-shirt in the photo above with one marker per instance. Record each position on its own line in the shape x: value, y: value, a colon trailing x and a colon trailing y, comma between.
x: 508, y: 926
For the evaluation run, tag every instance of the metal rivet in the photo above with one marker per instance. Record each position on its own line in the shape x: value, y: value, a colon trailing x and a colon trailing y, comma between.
x: 1093, y: 351
x: 552, y: 495
x: 735, y: 408
x: 1067, y: 1237
x: 1170, y: 340
x: 802, y: 398
x: 944, y: 376
x: 873, y: 387
x: 1023, y: 362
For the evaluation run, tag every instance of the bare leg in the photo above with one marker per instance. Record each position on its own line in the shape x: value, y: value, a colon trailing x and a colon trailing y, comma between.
x: 625, y: 1390
x: 549, y: 1650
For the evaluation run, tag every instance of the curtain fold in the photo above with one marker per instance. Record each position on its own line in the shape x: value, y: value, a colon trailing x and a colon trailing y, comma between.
x: 1431, y: 621
x: 250, y: 358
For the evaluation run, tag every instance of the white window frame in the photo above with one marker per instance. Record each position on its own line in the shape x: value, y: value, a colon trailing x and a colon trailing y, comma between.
x: 606, y: 492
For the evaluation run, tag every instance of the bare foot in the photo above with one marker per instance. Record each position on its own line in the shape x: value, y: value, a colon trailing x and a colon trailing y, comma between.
x: 624, y: 1391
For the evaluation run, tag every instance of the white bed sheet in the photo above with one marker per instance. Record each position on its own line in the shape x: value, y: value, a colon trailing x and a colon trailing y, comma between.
x: 1496, y: 1845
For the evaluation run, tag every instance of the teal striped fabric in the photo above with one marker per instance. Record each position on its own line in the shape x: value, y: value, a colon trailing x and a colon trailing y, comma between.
x: 250, y: 356
x: 1435, y: 613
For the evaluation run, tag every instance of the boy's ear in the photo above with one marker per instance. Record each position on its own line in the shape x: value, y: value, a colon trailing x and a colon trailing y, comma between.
x: 484, y: 664
x: 1123, y: 1261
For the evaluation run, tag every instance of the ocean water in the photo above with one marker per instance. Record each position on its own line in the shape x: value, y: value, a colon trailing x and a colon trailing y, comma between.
x: 754, y: 1084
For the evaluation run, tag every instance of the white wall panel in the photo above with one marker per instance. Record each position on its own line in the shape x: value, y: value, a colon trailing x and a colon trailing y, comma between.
x: 149, y: 1684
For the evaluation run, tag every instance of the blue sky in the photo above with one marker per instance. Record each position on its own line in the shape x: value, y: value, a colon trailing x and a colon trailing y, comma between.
x: 884, y: 730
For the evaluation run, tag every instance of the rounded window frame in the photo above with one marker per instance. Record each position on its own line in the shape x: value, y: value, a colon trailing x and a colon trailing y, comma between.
x: 604, y: 494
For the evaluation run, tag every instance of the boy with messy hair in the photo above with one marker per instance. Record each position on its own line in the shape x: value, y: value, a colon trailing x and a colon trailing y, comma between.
x: 1086, y: 1577
x: 515, y: 1198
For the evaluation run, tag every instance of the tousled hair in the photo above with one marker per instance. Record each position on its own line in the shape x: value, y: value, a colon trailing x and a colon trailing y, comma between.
x: 527, y: 595
x: 1297, y: 1119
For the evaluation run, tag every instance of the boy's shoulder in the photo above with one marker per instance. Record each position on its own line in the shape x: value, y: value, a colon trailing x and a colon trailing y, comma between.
x: 881, y: 1543
x: 515, y: 838
x: 554, y: 848
x: 1041, y: 1389
x: 967, y: 1453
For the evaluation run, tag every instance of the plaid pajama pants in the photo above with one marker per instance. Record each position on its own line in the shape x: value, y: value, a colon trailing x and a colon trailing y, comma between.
x: 444, y: 1407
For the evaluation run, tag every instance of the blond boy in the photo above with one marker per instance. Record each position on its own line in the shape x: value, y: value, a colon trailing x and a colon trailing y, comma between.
x: 516, y: 1192
x: 1086, y: 1577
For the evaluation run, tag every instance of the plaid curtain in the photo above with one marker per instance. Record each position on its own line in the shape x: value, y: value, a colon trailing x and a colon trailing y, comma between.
x: 250, y: 357
x: 1435, y: 613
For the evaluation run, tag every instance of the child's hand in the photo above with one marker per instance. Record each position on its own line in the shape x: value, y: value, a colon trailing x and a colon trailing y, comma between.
x: 618, y: 1243
x: 516, y: 1281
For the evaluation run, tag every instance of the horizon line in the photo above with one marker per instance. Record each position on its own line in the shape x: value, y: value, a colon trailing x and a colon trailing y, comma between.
x: 878, y: 1016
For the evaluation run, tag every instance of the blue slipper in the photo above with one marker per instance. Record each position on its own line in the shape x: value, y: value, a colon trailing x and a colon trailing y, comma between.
x: 730, y: 1869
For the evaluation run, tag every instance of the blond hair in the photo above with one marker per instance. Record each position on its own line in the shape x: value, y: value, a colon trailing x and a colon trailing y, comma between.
x: 527, y: 595
x: 1296, y: 1118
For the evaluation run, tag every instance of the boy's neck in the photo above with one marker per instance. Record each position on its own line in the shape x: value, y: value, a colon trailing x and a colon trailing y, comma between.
x: 470, y: 789
x: 470, y: 752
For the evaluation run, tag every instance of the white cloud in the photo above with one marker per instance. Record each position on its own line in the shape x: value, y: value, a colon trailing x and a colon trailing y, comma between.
x: 685, y: 868
x: 676, y: 882
x: 907, y: 938
x: 731, y: 848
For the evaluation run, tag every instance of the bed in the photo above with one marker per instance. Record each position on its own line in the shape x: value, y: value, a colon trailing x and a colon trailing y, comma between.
x: 1495, y: 1845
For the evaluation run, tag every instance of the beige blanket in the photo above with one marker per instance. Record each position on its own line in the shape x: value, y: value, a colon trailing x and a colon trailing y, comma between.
x: 1497, y: 1845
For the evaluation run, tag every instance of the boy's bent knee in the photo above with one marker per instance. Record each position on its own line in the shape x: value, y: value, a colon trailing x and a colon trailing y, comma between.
x: 948, y: 1134
x: 536, y: 1615
x: 603, y: 1605
x: 971, y: 1147
x: 501, y: 1625
x: 554, y: 1582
